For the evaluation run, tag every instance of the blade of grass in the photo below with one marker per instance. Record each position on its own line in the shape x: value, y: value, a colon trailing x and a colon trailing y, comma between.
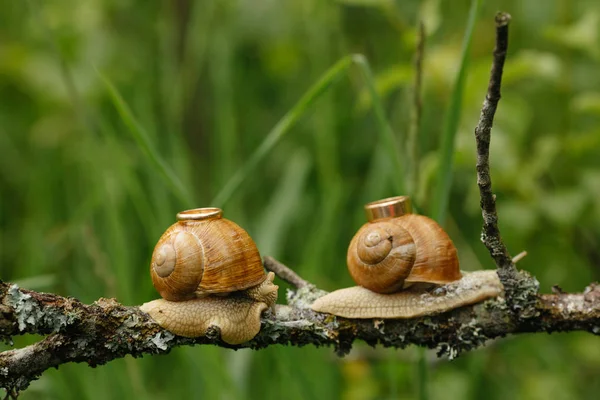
x: 307, y: 100
x: 281, y: 128
x: 412, y: 145
x: 384, y: 126
x: 444, y: 176
x: 37, y: 282
x: 142, y: 140
x: 422, y: 373
x: 66, y: 75
x: 412, y: 140
x: 281, y: 210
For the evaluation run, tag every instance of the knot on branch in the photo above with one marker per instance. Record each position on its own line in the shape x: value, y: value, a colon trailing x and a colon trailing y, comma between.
x: 521, y: 290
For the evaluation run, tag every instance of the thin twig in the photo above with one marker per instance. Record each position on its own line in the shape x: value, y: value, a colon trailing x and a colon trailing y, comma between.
x: 412, y: 141
x: 491, y: 234
x: 284, y: 272
x: 520, y: 288
x: 519, y: 257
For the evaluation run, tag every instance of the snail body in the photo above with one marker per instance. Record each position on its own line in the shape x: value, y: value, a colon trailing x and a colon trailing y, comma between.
x: 406, y: 266
x: 359, y: 302
x: 209, y: 272
x: 237, y: 316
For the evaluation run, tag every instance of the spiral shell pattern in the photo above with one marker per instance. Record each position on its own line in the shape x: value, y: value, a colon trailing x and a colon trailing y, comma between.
x: 380, y: 256
x: 204, y: 253
x: 386, y: 255
x: 177, y: 265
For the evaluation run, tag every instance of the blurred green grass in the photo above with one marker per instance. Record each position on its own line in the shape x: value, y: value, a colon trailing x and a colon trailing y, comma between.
x: 82, y: 203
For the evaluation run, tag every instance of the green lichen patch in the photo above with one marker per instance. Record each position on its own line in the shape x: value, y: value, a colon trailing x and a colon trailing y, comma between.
x: 29, y: 315
x: 304, y: 296
x: 162, y: 339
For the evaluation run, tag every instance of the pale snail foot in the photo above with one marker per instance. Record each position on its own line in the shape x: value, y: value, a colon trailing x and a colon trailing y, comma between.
x: 358, y: 302
x: 237, y: 316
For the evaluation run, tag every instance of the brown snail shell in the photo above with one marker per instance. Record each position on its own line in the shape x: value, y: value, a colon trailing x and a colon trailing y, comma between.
x: 204, y: 253
x: 386, y: 255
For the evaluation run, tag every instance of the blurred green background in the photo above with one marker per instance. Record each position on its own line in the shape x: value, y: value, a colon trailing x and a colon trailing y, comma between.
x: 82, y: 203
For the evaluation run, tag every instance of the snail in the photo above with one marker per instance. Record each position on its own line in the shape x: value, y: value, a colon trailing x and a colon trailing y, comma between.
x: 406, y: 266
x: 208, y: 272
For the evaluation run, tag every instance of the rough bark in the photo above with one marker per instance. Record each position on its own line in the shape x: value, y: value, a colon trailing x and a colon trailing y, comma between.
x: 520, y: 287
x: 98, y: 333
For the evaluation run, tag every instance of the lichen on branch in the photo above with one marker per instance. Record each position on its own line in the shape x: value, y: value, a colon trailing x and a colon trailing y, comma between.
x: 105, y: 330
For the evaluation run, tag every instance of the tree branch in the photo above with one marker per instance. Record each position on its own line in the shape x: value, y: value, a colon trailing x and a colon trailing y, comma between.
x: 284, y: 273
x: 491, y: 233
x: 98, y: 333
